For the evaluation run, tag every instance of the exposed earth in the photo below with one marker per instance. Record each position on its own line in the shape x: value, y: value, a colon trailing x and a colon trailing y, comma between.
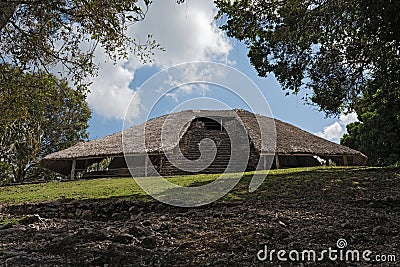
x: 363, y: 211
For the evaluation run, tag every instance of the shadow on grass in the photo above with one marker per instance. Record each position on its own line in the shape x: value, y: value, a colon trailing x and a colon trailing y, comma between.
x: 328, y: 182
x: 334, y: 183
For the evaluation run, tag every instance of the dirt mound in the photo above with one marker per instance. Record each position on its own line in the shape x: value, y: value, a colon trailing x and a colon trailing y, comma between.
x: 137, y: 233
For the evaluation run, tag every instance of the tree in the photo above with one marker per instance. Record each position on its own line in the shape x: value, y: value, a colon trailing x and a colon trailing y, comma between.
x: 330, y: 48
x: 40, y: 115
x: 345, y: 54
x: 40, y: 34
x: 378, y: 132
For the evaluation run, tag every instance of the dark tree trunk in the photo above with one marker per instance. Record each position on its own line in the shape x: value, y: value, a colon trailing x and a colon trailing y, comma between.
x: 20, y: 175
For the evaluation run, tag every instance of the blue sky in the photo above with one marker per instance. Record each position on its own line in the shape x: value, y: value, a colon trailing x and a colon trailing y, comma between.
x: 188, y: 33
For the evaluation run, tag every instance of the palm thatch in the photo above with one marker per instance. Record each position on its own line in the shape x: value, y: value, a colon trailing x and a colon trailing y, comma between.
x: 147, y: 138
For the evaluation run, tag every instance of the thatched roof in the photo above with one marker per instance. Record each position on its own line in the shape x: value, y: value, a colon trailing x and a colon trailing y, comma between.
x: 289, y: 139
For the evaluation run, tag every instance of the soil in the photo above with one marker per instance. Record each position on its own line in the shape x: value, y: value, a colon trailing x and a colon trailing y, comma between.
x: 148, y: 233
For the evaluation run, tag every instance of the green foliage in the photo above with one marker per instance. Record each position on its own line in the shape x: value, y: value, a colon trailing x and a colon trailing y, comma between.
x: 9, y: 220
x: 331, y: 48
x: 43, y: 34
x: 345, y: 54
x: 100, y: 166
x: 378, y: 132
x: 6, y: 175
x: 40, y: 115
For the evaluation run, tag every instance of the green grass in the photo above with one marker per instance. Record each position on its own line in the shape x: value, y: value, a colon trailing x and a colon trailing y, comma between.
x: 9, y: 220
x: 294, y: 182
x: 86, y: 189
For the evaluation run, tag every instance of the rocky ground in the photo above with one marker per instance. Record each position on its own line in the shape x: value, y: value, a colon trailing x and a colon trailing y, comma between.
x: 138, y: 233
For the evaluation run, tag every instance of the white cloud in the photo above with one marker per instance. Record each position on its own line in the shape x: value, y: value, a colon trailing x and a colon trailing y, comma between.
x: 195, y: 74
x: 348, y: 118
x: 187, y: 32
x: 336, y: 130
x: 110, y: 93
x: 173, y: 96
x: 332, y: 132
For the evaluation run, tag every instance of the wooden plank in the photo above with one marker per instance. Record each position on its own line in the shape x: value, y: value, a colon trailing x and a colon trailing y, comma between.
x: 345, y: 161
x: 277, y: 161
x: 86, y: 165
x: 161, y: 162
x: 113, y: 155
x: 265, y: 162
x: 145, y: 166
x: 73, y: 169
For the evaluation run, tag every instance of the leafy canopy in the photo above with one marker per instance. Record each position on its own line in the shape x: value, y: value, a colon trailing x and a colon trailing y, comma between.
x: 331, y: 48
x: 378, y: 132
x: 41, y: 34
x: 40, y: 115
x: 345, y: 54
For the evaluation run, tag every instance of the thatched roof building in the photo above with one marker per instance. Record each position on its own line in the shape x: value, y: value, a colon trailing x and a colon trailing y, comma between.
x: 294, y: 147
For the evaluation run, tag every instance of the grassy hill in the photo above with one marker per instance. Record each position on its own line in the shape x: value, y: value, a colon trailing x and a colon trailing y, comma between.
x: 294, y: 182
x: 112, y: 222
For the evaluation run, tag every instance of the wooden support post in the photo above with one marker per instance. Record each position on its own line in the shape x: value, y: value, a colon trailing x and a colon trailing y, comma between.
x: 145, y: 165
x: 265, y: 162
x: 73, y: 169
x: 161, y: 161
x: 277, y: 161
x: 86, y: 165
x: 345, y: 161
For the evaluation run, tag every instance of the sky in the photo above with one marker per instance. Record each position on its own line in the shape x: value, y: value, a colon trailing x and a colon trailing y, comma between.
x: 189, y: 33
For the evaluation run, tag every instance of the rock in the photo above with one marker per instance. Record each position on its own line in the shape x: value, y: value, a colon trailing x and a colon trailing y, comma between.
x: 133, y: 210
x: 160, y: 206
x: 138, y: 231
x: 21, y: 260
x: 379, y: 230
x: 6, y: 226
x: 90, y: 234
x: 163, y: 227
x: 345, y: 225
x: 146, y: 223
x: 30, y: 219
x: 51, y: 209
x: 78, y: 212
x: 149, y: 242
x: 87, y: 214
x: 123, y: 238
x: 387, y: 199
x: 118, y: 216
